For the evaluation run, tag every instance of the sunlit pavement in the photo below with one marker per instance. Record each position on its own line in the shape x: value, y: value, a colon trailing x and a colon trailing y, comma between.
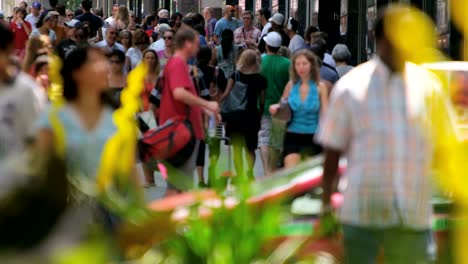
x: 158, y: 191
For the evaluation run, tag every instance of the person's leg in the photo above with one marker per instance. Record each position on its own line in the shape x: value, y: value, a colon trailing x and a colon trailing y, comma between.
x: 181, y: 178
x: 360, y: 245
x: 201, y: 163
x: 214, y: 152
x: 237, y: 148
x: 405, y: 246
x: 250, y: 154
x: 264, y: 144
x: 149, y: 175
x: 291, y: 160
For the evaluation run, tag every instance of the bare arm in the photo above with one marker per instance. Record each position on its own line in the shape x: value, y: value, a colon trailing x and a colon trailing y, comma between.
x: 99, y: 34
x: 324, y: 94
x: 287, y: 90
x: 184, y: 96
x: 330, y: 170
x: 215, y: 39
x: 26, y: 28
x: 44, y: 141
x: 229, y: 87
x: 274, y: 108
x: 128, y: 64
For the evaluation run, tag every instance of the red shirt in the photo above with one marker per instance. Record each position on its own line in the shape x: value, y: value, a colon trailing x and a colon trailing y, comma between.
x: 149, y: 32
x: 21, y: 37
x: 176, y: 74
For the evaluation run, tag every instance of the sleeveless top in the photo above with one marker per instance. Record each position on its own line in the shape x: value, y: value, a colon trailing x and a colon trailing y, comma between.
x: 228, y: 65
x: 305, y: 115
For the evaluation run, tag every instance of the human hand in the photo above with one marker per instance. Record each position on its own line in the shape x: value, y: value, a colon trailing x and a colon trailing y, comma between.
x: 274, y: 109
x: 212, y: 108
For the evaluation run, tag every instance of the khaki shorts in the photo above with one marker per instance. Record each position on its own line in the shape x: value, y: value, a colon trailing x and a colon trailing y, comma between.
x: 264, y: 134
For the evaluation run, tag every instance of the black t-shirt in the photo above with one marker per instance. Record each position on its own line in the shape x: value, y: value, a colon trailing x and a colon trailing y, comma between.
x: 256, y: 84
x: 94, y: 22
x: 65, y: 47
x: 209, y: 73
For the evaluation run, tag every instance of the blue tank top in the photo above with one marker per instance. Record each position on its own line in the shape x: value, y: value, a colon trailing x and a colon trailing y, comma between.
x: 305, y: 115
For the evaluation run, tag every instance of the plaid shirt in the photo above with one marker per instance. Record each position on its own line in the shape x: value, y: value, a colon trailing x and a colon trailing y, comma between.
x: 380, y: 121
x: 242, y: 34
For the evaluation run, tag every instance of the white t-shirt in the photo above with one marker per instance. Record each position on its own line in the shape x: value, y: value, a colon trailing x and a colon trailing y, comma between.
x: 158, y: 45
x: 104, y: 44
x: 296, y: 43
x: 19, y: 108
x: 52, y: 36
x: 32, y: 20
x: 266, y: 28
x: 135, y: 56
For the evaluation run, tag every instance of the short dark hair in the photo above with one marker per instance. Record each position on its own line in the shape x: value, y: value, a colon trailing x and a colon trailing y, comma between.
x: 198, y: 19
x: 273, y: 49
x: 98, y: 12
x: 176, y: 15
x: 294, y: 24
x: 21, y: 10
x: 379, y: 31
x: 265, y: 12
x: 117, y: 53
x: 204, y: 56
x: 150, y: 19
x: 188, y: 21
x: 6, y: 41
x: 200, y: 29
x: 53, y: 3
x: 60, y: 8
x: 319, y: 48
x: 77, y: 12
x: 164, y: 21
x: 183, y: 35
x: 86, y: 5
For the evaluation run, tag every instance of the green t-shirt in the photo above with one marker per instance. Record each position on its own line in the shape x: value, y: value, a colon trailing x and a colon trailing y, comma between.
x: 275, y: 69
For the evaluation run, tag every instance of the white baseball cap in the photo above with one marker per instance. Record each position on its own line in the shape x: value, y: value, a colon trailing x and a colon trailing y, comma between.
x: 273, y: 39
x: 74, y: 23
x: 278, y: 19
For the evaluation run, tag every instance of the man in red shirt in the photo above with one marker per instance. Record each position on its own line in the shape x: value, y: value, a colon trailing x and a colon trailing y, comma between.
x: 179, y: 96
x: 21, y: 29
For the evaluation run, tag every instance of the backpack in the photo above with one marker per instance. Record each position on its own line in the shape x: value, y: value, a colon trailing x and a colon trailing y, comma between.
x: 173, y: 142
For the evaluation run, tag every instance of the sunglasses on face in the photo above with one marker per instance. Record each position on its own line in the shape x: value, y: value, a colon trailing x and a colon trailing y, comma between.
x: 70, y: 15
x: 233, y: 11
x: 167, y: 38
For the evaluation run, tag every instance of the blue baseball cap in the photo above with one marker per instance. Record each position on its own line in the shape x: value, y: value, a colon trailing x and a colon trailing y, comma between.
x: 36, y: 5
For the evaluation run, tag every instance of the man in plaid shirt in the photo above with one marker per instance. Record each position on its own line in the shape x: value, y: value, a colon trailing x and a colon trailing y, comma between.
x: 378, y: 117
x: 247, y: 35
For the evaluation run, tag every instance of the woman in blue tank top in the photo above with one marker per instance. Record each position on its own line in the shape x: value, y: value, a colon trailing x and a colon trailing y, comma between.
x: 307, y: 99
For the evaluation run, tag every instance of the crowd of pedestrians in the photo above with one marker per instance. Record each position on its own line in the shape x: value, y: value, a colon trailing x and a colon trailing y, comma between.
x: 227, y: 52
x: 196, y: 64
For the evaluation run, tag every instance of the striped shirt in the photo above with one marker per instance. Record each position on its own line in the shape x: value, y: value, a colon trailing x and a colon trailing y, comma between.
x: 380, y: 122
